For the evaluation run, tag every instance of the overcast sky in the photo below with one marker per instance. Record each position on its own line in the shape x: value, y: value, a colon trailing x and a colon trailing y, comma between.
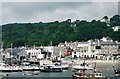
x: 22, y: 12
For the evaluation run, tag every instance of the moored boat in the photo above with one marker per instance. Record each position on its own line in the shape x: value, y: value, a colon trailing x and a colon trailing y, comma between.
x: 51, y: 68
x: 86, y: 71
x: 116, y: 68
x: 65, y: 66
x: 82, y: 66
x: 87, y: 74
x: 9, y: 68
x: 116, y: 71
x: 31, y: 72
x: 29, y: 67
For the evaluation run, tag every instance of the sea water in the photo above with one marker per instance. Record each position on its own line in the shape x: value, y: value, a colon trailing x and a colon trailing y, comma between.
x: 106, y: 68
x: 67, y: 74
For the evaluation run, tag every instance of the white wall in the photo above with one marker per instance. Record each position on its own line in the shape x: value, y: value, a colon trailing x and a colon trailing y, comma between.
x: 53, y: 49
x: 35, y: 52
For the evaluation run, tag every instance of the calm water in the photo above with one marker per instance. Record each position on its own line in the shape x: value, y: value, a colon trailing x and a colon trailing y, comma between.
x: 67, y: 74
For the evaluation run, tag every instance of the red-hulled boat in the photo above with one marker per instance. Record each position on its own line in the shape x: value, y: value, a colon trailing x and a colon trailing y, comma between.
x: 87, y: 74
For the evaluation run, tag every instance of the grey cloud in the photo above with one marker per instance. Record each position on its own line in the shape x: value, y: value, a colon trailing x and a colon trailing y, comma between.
x: 40, y: 6
x: 119, y: 8
x: 50, y: 11
x: 60, y: 0
x: 26, y: 10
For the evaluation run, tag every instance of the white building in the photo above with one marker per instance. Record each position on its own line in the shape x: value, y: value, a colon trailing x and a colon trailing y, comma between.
x: 109, y: 49
x: 4, y: 55
x: 116, y: 28
x: 33, y: 53
x: 54, y: 50
x: 86, y: 49
x: 76, y: 54
x: 104, y: 48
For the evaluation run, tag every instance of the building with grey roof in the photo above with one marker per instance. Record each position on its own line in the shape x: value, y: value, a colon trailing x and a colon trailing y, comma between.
x: 104, y: 48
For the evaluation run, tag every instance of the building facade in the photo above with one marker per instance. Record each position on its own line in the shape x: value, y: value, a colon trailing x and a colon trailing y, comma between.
x: 54, y: 50
x: 104, y: 48
x: 30, y: 54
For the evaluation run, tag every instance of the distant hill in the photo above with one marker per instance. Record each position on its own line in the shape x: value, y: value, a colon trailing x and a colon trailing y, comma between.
x: 43, y: 33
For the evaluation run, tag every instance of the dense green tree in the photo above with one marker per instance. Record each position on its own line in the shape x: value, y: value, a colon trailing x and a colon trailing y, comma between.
x: 115, y: 20
x: 43, y: 33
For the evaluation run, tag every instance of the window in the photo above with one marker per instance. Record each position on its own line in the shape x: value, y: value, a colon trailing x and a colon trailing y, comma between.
x: 119, y: 47
x: 98, y: 47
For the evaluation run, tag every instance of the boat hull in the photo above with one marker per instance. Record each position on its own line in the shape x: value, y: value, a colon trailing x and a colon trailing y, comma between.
x: 65, y: 68
x: 78, y: 77
x: 31, y: 69
x: 10, y: 70
x: 117, y: 73
x: 51, y: 70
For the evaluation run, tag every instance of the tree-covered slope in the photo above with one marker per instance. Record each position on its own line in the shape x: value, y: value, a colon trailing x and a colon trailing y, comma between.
x: 43, y: 33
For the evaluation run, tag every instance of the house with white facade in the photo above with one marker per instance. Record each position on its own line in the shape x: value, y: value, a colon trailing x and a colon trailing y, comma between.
x: 104, y: 48
x: 33, y: 53
x: 86, y: 49
x: 109, y: 49
x: 54, y: 50
x: 116, y: 28
x: 30, y: 53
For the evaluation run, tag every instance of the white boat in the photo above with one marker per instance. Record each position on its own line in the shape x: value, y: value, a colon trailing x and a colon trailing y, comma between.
x: 116, y: 71
x: 65, y: 66
x: 82, y: 66
x: 31, y: 72
x: 87, y: 74
x: 116, y: 68
x: 86, y: 71
x: 51, y: 68
x: 9, y: 68
x: 29, y: 67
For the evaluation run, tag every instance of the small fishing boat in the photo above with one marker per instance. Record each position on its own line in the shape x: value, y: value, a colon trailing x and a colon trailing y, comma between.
x: 86, y: 71
x: 51, y: 68
x: 9, y: 68
x: 31, y: 72
x: 87, y: 74
x: 82, y: 66
x: 116, y: 71
x: 29, y: 67
x: 116, y: 68
x: 65, y: 66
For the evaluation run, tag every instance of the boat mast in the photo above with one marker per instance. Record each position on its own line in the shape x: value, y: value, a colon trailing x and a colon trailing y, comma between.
x: 1, y: 57
x: 95, y: 67
x: 11, y: 55
x: 84, y: 67
x: 1, y: 46
x: 50, y: 43
x: 11, y: 52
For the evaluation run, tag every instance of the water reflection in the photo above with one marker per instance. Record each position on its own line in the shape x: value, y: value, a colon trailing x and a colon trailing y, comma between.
x: 30, y: 72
